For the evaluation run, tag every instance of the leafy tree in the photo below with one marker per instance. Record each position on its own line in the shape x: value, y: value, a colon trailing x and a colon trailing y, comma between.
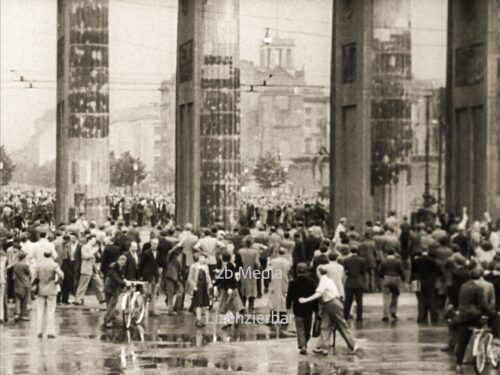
x: 164, y: 174
x: 36, y: 175
x: 122, y: 170
x: 269, y: 172
x: 7, y: 167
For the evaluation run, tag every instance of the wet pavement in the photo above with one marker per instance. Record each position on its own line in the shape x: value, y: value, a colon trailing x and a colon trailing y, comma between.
x: 172, y: 344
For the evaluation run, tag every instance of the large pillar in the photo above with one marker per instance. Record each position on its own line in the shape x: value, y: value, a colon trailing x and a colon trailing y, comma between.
x: 472, y: 160
x: 208, y: 112
x: 82, y: 173
x: 371, y: 71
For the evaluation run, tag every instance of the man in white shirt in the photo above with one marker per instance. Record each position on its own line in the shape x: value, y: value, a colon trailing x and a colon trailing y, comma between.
x: 209, y: 246
x: 332, y: 313
x: 342, y: 227
x: 43, y: 246
x: 335, y: 271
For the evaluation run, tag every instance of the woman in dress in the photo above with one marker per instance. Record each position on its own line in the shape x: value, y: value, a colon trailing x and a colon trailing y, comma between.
x: 199, y: 283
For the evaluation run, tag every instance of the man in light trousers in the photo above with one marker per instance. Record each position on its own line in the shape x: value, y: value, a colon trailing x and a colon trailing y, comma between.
x: 48, y: 274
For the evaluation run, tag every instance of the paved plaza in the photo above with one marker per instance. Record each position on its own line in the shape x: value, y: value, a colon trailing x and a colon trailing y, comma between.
x: 172, y: 344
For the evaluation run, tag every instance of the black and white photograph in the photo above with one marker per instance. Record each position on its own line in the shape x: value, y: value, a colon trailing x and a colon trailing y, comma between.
x: 277, y: 187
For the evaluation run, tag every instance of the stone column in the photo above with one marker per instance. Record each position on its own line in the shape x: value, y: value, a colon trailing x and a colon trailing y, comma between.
x: 208, y: 112
x: 370, y: 118
x: 472, y: 151
x: 82, y: 172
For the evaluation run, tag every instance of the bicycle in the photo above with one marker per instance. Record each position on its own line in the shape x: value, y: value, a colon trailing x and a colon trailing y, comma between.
x: 485, y: 347
x: 133, y: 304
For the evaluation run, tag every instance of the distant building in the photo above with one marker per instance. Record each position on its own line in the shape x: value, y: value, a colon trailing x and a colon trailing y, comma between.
x: 136, y: 130
x: 282, y: 115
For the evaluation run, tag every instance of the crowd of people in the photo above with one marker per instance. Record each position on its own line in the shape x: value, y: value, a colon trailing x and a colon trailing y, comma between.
x: 450, y: 263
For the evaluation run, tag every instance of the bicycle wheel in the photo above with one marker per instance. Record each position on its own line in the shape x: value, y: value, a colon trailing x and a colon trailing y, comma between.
x: 494, y: 352
x: 126, y: 311
x: 480, y: 353
x: 138, y: 308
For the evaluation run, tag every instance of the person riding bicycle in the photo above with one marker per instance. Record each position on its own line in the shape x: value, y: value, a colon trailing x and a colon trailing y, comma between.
x: 113, y: 286
x: 471, y: 306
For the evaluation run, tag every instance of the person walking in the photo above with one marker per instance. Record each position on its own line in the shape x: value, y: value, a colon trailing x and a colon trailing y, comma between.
x: 199, y: 282
x: 426, y: 270
x: 3, y: 284
x: 174, y: 288
x: 355, y: 283
x: 391, y: 274
x: 280, y: 269
x: 22, y: 287
x: 67, y: 266
x: 89, y: 275
x: 47, y: 276
x: 302, y: 286
x: 247, y: 260
x: 368, y: 250
x: 471, y: 306
x: 113, y: 286
x: 150, y: 271
x: 227, y: 283
x: 332, y: 313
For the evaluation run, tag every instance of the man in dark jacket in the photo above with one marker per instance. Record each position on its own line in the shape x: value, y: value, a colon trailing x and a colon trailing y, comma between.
x: 471, y: 306
x: 149, y: 269
x: 298, y: 254
x: 109, y: 255
x: 391, y: 274
x: 112, y: 288
x: 174, y: 282
x: 132, y: 266
x: 355, y: 269
x: 311, y: 244
x: 368, y: 250
x: 426, y: 270
x: 302, y: 286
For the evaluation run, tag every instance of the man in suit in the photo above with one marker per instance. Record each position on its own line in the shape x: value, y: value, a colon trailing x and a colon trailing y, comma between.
x: 427, y: 270
x: 147, y: 245
x: 131, y: 271
x: 391, y: 274
x: 88, y: 272
x: 110, y: 254
x: 247, y: 261
x: 311, y: 244
x: 47, y: 272
x: 63, y: 250
x: 355, y: 269
x: 368, y: 250
x: 471, y: 306
x: 149, y: 269
x: 298, y: 254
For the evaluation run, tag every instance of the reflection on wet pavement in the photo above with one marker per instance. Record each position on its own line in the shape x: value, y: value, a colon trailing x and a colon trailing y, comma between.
x: 173, y: 344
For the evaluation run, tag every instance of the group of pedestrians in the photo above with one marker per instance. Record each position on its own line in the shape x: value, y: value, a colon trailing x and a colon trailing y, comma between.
x: 452, y: 265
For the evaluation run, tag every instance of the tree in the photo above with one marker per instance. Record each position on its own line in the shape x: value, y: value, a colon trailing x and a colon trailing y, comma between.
x: 269, y: 172
x: 36, y: 175
x: 122, y: 171
x: 7, y: 167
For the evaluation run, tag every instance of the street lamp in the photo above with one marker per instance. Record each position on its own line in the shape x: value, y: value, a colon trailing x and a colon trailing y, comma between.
x: 135, y: 167
x: 427, y: 193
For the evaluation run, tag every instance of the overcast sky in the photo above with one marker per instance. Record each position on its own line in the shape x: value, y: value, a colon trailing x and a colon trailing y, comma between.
x: 142, y: 49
